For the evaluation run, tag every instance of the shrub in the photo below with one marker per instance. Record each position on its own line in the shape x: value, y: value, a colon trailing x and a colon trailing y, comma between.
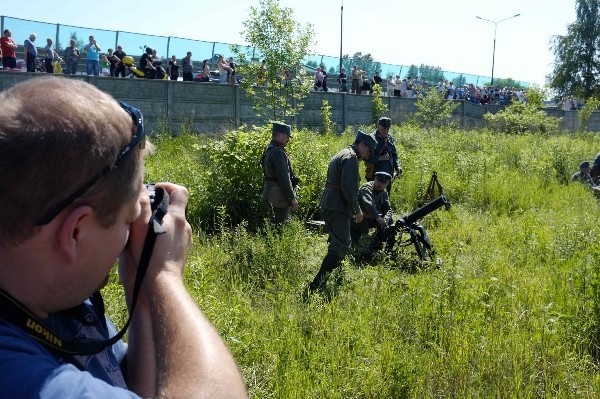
x: 434, y: 110
x: 591, y: 105
x: 327, y: 125
x: 379, y: 108
x: 519, y: 118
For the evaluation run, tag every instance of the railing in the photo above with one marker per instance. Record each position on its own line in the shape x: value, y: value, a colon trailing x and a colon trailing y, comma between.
x: 134, y: 44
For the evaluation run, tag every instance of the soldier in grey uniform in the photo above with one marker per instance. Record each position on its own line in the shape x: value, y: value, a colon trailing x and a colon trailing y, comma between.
x: 279, y: 195
x: 385, y: 156
x: 375, y: 204
x: 339, y: 203
x: 583, y: 174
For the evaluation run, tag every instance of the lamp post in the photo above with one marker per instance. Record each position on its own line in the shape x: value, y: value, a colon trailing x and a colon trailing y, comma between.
x: 341, y: 33
x: 495, y: 28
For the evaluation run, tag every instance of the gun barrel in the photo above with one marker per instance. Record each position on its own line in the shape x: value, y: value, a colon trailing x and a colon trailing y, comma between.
x: 425, y: 210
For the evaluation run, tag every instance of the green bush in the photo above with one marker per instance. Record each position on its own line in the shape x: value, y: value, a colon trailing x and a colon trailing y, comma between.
x: 519, y: 118
x: 434, y: 110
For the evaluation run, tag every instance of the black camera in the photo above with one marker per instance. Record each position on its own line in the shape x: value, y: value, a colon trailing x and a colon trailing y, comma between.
x: 152, y: 194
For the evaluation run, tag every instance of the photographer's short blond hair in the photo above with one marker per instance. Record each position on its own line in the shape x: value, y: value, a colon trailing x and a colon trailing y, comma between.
x: 48, y: 149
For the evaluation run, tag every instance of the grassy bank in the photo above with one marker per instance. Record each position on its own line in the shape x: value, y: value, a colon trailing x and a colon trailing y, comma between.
x: 511, y: 309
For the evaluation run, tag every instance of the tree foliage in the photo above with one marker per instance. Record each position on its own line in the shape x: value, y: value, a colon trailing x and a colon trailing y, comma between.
x: 577, y: 57
x: 434, y: 110
x: 508, y: 83
x: 278, y: 85
x: 364, y: 62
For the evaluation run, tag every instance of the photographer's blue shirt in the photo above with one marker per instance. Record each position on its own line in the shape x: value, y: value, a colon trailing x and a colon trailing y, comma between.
x: 29, y: 370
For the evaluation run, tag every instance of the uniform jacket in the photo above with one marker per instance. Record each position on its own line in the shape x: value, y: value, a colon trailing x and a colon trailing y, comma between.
x: 341, y: 187
x: 373, y: 204
x: 277, y: 167
x: 385, y: 146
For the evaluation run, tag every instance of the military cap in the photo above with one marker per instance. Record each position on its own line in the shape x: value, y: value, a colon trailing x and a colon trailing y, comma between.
x: 279, y: 127
x: 385, y: 121
x: 368, y: 139
x: 383, y: 176
x: 584, y: 164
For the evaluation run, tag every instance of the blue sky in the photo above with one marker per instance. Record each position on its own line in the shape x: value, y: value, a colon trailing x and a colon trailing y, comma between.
x: 434, y: 32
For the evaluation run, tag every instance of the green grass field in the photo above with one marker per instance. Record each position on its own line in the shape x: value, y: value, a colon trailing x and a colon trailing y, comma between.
x: 510, y: 309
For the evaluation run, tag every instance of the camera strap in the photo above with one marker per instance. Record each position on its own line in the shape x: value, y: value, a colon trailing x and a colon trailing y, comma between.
x: 14, y: 312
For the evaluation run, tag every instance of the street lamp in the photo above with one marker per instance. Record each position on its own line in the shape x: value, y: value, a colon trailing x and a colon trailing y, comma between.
x: 341, y: 33
x: 495, y: 28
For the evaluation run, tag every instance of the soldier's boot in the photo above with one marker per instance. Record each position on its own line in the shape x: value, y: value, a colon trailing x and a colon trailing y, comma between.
x: 329, y: 263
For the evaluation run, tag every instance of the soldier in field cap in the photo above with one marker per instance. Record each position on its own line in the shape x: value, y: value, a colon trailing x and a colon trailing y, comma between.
x: 339, y: 203
x: 583, y: 174
x: 385, y: 156
x: 377, y: 210
x: 279, y: 194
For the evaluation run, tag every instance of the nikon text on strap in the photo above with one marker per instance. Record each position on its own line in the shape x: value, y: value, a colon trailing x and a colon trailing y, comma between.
x: 12, y: 311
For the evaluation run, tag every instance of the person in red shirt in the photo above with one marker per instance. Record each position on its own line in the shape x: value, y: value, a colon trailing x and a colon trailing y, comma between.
x: 8, y: 47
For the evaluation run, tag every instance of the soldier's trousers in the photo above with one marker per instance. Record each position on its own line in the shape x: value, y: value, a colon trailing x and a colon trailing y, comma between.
x: 277, y: 215
x: 338, y: 227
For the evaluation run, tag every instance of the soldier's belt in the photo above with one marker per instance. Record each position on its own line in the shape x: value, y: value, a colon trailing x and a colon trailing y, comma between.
x: 333, y: 186
x: 270, y: 179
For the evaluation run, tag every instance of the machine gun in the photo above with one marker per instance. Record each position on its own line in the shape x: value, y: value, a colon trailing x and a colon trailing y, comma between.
x: 408, y: 224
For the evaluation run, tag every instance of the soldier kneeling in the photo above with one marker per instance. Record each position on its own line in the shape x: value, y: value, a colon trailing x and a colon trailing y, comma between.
x: 377, y: 211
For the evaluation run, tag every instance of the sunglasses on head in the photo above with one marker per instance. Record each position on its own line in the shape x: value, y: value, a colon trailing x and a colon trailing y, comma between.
x: 137, y: 141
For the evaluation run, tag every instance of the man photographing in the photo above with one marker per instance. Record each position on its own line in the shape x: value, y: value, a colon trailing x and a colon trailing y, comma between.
x: 74, y: 184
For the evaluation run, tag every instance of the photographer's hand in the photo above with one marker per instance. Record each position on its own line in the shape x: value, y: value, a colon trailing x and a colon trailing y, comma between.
x: 189, y: 355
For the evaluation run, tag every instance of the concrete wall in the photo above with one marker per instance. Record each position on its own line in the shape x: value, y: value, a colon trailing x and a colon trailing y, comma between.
x: 213, y: 108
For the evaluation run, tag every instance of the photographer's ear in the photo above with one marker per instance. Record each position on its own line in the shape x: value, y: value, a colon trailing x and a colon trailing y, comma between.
x: 72, y: 229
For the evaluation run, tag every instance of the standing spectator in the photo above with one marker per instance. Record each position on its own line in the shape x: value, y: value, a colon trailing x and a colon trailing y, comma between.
x: 82, y: 215
x: 187, y: 67
x: 398, y: 81
x: 339, y: 203
x: 92, y: 57
x: 113, y: 60
x: 173, y: 68
x: 385, y: 156
x: 343, y: 81
x: 205, y: 71
x: 120, y: 54
x: 356, y: 74
x: 279, y: 195
x: 72, y: 57
x: 318, y: 84
x: 403, y: 88
x: 231, y: 71
x: 365, y: 85
x: 223, y: 69
x: 391, y: 84
x: 50, y: 54
x: 410, y: 87
x: 261, y: 78
x: 8, y: 50
x: 30, y: 53
x: 325, y: 89
x: 376, y: 81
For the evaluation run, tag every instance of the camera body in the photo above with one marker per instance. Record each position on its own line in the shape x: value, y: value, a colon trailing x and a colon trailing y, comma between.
x: 152, y: 194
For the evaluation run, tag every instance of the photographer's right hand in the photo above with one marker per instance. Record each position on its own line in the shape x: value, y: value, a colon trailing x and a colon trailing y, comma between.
x: 171, y: 248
